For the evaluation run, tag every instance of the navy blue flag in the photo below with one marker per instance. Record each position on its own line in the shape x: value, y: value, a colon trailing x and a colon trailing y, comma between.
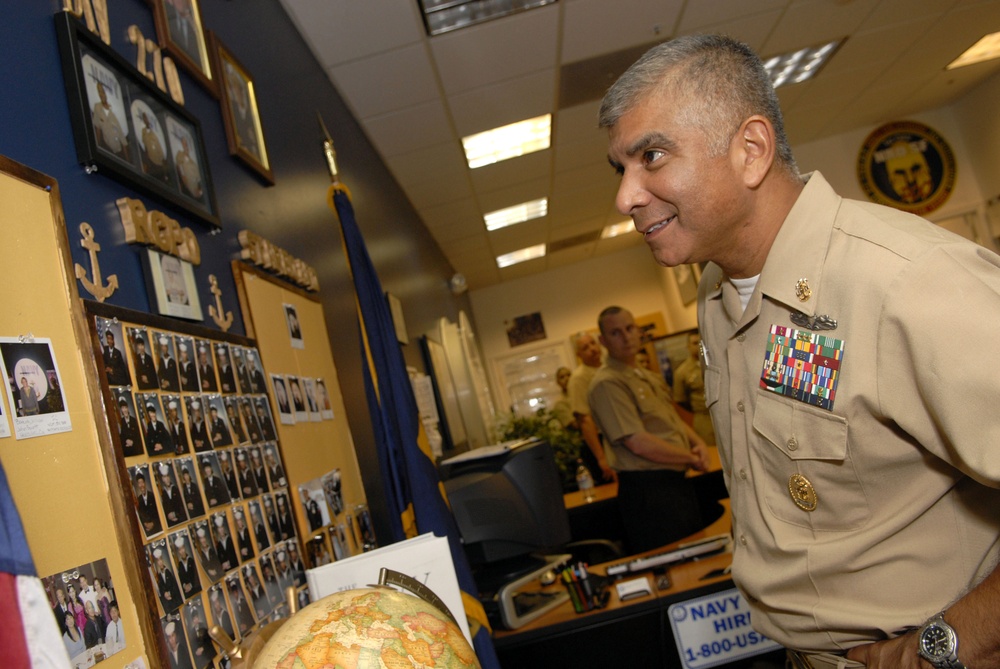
x: 412, y: 484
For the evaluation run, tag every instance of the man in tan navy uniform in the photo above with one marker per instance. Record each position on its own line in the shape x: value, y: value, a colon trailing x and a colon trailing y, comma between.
x: 588, y: 350
x: 651, y: 448
x: 846, y: 371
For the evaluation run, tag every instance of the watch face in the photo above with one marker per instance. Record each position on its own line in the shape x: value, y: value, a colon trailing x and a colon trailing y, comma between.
x: 936, y: 642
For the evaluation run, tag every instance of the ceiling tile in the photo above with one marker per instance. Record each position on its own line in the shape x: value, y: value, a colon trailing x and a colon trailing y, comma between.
x: 393, y: 133
x: 342, y: 30
x: 414, y: 167
x: 515, y: 194
x: 503, y: 103
x: 594, y: 27
x: 701, y: 16
x: 536, y: 165
x: 812, y: 22
x: 412, y: 76
x: 496, y: 51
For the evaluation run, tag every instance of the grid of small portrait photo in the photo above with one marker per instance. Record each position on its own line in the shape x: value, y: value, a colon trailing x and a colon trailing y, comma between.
x: 191, y: 421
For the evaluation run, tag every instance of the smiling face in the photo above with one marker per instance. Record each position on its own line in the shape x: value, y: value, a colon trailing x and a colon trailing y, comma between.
x: 686, y: 200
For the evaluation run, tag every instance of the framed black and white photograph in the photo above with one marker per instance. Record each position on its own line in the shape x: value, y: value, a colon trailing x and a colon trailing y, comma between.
x: 238, y: 95
x: 179, y: 31
x: 171, y: 286
x: 126, y: 128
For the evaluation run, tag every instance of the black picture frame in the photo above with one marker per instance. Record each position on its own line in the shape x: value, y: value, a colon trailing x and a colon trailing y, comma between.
x: 128, y: 129
x: 181, y: 34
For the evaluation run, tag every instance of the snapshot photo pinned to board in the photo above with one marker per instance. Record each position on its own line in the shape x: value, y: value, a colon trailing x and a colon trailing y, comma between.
x: 34, y: 390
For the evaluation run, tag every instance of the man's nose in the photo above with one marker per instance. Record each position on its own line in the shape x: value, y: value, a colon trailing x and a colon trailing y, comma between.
x: 631, y: 194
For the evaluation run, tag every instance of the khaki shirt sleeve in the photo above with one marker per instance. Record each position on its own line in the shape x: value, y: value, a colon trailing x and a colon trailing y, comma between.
x: 945, y: 375
x: 614, y: 409
x: 577, y: 391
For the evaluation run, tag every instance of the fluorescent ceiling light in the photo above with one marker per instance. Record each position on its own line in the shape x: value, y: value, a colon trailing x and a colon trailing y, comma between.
x: 530, y: 253
x: 622, y: 228
x: 986, y: 48
x: 441, y: 16
x: 509, y: 141
x: 519, y: 213
x: 797, y: 66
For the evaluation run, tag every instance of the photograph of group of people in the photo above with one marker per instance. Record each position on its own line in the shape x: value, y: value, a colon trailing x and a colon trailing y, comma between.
x: 195, y: 430
x: 86, y: 611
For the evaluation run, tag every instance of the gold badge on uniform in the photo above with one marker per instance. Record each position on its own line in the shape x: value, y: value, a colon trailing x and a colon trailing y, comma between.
x: 802, y: 492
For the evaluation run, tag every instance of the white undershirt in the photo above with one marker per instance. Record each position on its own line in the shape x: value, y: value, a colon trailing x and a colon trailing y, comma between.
x: 745, y: 288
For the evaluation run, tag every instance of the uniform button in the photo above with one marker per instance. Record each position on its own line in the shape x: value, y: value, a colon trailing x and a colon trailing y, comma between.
x: 741, y: 337
x: 739, y: 406
x: 792, y: 444
x: 743, y: 540
x: 743, y: 474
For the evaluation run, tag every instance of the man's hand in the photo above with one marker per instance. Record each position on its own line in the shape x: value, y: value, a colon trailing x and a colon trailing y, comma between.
x: 898, y: 653
x: 700, y: 451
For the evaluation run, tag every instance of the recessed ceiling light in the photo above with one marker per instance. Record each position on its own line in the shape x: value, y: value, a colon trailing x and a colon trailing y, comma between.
x: 530, y: 253
x: 616, y: 229
x: 986, y: 48
x: 797, y: 66
x: 509, y: 141
x: 440, y: 16
x: 519, y: 213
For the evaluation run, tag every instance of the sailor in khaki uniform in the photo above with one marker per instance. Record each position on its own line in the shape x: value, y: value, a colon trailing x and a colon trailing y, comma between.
x: 848, y: 372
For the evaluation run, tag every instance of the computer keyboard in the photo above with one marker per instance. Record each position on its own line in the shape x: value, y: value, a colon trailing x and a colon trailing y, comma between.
x: 683, y: 552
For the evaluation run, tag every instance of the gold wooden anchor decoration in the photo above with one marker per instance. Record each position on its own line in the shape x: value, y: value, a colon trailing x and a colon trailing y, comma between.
x: 94, y: 287
x: 215, y: 311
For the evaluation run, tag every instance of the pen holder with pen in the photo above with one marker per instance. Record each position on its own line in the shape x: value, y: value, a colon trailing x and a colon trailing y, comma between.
x: 587, y: 591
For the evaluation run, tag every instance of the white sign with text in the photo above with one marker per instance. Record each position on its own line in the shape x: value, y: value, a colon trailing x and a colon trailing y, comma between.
x: 715, y: 629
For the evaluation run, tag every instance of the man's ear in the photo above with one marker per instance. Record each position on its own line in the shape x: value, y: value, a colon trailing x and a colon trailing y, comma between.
x: 755, y: 149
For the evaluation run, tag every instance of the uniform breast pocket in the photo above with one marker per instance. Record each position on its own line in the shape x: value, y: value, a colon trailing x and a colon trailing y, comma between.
x: 798, y: 440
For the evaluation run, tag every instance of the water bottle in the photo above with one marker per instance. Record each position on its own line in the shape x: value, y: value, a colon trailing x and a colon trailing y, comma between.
x: 585, y: 482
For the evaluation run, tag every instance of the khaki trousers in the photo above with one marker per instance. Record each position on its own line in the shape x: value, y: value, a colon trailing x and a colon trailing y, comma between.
x: 799, y: 660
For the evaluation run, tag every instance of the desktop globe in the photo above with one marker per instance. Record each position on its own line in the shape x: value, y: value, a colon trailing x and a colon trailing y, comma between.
x: 368, y: 627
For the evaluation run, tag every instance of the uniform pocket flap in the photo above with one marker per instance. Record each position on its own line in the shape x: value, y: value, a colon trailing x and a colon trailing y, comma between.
x: 800, y: 431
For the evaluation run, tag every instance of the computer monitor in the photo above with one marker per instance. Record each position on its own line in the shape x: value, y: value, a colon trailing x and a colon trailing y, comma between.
x: 508, y: 503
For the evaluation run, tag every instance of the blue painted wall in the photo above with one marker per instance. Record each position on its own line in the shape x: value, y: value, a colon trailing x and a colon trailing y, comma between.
x: 35, y: 130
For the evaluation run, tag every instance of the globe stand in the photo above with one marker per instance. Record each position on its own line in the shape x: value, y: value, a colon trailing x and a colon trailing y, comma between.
x: 243, y: 655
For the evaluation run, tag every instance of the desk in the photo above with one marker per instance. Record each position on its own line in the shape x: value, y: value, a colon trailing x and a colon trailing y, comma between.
x: 633, y: 633
x: 600, y: 519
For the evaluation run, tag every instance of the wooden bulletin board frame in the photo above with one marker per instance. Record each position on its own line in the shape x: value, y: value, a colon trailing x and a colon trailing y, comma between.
x: 138, y: 544
x: 58, y: 480
x: 312, y: 449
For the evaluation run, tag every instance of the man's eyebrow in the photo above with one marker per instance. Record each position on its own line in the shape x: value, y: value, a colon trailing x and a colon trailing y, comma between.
x: 650, y: 139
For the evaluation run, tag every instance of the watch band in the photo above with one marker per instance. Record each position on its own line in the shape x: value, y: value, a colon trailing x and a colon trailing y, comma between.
x: 937, y: 642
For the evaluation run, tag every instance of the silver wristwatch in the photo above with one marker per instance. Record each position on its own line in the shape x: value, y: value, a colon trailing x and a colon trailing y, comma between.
x: 938, y: 644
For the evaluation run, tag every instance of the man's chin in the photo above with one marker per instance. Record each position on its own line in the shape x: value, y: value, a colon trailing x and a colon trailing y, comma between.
x: 667, y: 257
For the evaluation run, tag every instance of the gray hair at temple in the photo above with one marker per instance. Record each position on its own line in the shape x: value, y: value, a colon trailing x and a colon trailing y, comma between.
x: 722, y: 80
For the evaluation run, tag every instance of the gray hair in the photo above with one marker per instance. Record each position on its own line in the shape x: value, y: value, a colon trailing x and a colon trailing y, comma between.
x: 721, y: 80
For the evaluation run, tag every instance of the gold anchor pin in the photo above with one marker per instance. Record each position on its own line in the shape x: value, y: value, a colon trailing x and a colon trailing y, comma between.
x: 94, y: 287
x: 215, y: 311
x: 802, y: 290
